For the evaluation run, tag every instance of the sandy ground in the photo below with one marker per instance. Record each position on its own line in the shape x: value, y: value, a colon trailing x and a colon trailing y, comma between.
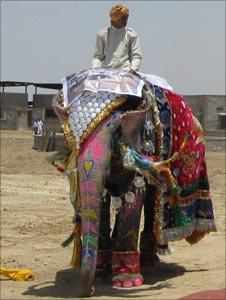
x: 36, y: 218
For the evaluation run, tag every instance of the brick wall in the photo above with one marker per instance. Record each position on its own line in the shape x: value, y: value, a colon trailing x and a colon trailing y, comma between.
x: 42, y: 101
x: 214, y: 106
x: 207, y: 109
x: 14, y: 112
x: 197, y: 104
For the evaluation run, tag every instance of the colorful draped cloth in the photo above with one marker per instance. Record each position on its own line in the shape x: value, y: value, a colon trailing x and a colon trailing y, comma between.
x: 192, y: 215
x: 189, y: 170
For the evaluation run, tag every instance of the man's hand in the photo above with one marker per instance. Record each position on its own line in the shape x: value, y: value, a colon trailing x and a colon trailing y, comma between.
x: 131, y: 71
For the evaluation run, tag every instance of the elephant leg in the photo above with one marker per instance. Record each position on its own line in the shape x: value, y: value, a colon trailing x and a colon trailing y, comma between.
x: 93, y: 166
x: 149, y: 246
x: 126, y: 258
x: 104, y: 254
x: 115, y: 232
x: 148, y: 243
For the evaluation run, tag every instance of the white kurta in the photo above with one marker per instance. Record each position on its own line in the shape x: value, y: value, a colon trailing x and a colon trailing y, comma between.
x: 117, y: 48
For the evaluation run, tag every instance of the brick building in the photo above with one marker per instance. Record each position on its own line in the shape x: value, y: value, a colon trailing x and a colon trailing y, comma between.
x: 15, y: 111
x: 210, y: 111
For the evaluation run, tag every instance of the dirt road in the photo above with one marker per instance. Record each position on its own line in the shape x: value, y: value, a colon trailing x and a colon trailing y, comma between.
x: 36, y: 218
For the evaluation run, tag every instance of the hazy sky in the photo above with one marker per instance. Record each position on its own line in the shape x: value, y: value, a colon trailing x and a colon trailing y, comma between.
x: 182, y: 41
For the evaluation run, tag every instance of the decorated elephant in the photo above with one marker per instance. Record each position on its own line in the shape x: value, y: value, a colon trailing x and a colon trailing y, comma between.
x: 133, y: 143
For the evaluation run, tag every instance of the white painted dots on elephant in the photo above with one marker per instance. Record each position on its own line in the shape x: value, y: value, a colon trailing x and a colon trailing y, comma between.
x: 85, y: 109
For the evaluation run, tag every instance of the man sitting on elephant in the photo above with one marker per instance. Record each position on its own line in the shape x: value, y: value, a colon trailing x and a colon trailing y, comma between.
x: 118, y: 46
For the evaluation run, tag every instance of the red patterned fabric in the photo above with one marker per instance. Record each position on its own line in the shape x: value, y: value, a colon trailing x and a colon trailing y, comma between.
x: 191, y: 166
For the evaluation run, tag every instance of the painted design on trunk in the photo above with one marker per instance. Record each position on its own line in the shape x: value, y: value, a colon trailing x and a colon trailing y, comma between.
x: 88, y: 163
x: 97, y: 149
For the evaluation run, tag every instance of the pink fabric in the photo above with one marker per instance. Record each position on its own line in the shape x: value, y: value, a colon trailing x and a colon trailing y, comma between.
x: 209, y: 294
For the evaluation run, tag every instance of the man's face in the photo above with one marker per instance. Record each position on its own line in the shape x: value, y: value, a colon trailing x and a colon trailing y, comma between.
x: 124, y: 21
x: 120, y: 23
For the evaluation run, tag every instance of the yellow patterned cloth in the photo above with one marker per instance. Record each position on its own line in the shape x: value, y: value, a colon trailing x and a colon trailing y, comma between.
x: 17, y: 274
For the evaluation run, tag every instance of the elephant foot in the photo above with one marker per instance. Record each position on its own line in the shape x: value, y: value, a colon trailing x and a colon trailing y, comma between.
x: 127, y: 280
x: 89, y: 293
x: 148, y: 250
x: 126, y: 269
x: 86, y: 284
x: 149, y: 259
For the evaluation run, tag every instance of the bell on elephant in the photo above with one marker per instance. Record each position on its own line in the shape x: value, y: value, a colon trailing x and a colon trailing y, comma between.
x: 148, y: 147
x: 139, y: 184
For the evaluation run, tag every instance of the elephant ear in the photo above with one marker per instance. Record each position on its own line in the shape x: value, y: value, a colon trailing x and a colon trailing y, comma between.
x: 57, y: 106
x: 133, y: 122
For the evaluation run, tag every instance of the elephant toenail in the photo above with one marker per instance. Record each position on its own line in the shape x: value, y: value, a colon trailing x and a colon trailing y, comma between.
x: 138, y: 281
x: 127, y: 283
x: 117, y: 283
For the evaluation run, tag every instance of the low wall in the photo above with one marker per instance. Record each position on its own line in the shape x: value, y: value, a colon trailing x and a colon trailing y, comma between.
x: 215, y: 133
x: 58, y: 144
x: 8, y: 125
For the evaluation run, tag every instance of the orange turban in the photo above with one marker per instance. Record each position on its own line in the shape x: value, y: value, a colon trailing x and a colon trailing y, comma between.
x: 119, y: 11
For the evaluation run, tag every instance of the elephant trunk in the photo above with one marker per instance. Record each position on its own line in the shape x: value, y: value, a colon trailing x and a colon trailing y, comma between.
x: 89, y: 252
x: 93, y: 164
